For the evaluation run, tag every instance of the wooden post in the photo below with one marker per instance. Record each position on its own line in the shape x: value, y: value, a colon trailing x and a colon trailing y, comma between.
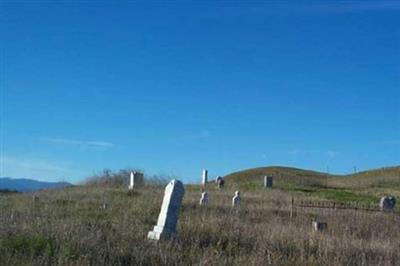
x: 291, y: 208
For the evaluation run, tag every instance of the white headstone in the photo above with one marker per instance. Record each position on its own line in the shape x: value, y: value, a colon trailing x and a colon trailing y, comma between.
x: 132, y: 181
x: 204, y: 177
x: 236, y: 199
x: 204, y: 198
x: 268, y: 180
x: 136, y: 179
x: 387, y: 203
x: 168, y: 217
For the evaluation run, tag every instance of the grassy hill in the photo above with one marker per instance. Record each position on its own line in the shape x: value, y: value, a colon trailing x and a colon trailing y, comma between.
x: 367, y: 186
x: 70, y: 226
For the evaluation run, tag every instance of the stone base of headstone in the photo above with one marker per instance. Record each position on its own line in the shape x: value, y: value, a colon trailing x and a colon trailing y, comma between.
x: 132, y: 193
x: 159, y: 233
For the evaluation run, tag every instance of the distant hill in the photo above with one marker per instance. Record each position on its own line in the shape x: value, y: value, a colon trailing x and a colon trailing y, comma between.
x: 288, y: 176
x: 27, y: 185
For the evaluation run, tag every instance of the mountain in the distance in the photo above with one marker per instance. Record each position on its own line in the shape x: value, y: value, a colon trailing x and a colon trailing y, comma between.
x: 27, y: 185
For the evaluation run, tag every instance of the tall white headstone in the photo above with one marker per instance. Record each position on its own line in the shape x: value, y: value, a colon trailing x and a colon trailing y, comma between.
x: 136, y: 179
x: 168, y: 217
x: 204, y: 198
x: 204, y: 177
x: 132, y: 181
x: 236, y: 199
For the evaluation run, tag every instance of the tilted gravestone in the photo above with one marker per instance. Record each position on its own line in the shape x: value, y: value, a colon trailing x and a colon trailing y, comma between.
x: 204, y: 178
x: 268, y: 180
x: 168, y: 217
x: 387, y: 203
x: 204, y: 198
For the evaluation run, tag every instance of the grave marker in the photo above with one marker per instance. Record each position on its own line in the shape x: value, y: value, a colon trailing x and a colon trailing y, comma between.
x: 220, y: 182
x: 168, y: 217
x: 387, y: 203
x: 236, y: 199
x: 204, y: 177
x: 204, y: 198
x: 319, y: 226
x: 268, y: 180
x: 136, y: 179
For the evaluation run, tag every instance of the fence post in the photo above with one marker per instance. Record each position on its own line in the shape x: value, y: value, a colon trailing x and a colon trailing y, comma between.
x: 291, y: 208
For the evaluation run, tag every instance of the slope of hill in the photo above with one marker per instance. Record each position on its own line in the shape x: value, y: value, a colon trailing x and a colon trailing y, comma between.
x: 27, y: 185
x: 72, y: 226
x: 385, y: 176
x: 284, y: 175
x: 366, y: 186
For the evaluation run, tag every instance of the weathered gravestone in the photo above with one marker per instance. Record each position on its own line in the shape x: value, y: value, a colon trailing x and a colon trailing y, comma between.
x: 268, y: 180
x: 35, y: 199
x: 387, y: 203
x: 168, y: 217
x: 104, y: 206
x: 204, y: 177
x: 136, y: 179
x: 236, y: 199
x: 319, y: 226
x: 220, y: 182
x: 204, y: 198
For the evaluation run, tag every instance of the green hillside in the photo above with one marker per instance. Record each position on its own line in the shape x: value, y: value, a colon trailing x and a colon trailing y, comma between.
x: 366, y: 186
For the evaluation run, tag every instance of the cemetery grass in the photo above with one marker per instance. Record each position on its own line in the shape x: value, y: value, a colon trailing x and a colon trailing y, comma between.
x: 365, y: 187
x: 71, y: 227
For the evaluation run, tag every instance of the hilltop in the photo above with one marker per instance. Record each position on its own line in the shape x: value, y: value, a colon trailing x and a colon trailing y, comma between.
x: 373, y: 177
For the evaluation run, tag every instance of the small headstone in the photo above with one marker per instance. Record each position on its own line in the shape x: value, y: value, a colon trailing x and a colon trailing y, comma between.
x: 236, y: 199
x: 319, y: 226
x: 204, y: 198
x: 268, y: 180
x: 204, y: 178
x: 35, y: 198
x: 387, y: 203
x: 105, y: 206
x: 220, y: 182
x: 168, y: 217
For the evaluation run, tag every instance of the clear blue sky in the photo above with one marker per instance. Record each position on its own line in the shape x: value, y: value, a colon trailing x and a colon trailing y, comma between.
x: 174, y: 87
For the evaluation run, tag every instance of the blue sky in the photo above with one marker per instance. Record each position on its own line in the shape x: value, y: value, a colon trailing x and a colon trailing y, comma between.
x: 174, y: 87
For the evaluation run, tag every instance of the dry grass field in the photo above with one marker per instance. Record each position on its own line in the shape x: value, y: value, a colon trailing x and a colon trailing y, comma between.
x: 71, y: 227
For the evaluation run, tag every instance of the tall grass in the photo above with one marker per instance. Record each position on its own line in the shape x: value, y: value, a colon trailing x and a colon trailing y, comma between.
x: 69, y: 227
